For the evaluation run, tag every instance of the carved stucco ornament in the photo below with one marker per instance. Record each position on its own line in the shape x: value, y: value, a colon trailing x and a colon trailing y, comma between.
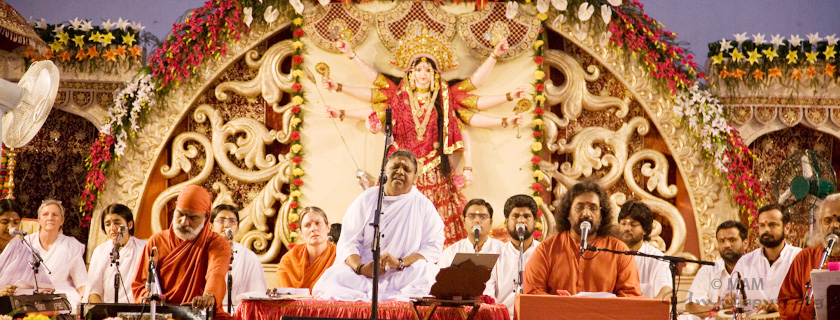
x: 270, y: 81
x: 572, y: 94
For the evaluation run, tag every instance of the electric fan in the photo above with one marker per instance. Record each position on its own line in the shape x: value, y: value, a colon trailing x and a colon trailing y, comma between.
x: 804, y: 177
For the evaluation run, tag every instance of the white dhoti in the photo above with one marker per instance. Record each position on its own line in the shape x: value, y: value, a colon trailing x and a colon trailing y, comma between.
x: 409, y: 224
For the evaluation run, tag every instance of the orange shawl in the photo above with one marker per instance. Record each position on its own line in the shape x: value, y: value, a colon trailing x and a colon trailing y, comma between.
x: 187, y: 269
x: 295, y: 271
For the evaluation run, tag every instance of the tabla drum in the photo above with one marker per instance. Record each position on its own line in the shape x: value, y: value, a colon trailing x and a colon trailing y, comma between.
x: 766, y: 316
x: 724, y: 315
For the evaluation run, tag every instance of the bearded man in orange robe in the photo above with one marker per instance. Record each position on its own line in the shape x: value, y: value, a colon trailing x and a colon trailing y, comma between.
x: 192, y: 260
x: 792, y: 293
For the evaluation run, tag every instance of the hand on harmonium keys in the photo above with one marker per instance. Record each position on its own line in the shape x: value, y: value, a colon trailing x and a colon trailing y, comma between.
x: 8, y: 291
x: 203, y: 302
x: 768, y: 307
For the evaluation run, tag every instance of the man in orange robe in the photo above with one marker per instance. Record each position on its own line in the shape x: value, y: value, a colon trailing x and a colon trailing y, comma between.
x: 793, y: 291
x: 191, y: 259
x: 557, y: 264
x: 302, y: 266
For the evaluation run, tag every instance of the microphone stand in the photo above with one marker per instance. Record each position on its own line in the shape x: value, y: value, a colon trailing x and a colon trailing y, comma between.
x: 375, y: 245
x: 521, y: 262
x: 115, y: 260
x: 230, y: 280
x: 153, y: 285
x: 36, y: 264
x: 672, y: 264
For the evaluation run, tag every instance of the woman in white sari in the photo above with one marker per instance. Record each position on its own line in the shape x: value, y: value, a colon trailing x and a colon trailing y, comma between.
x: 102, y: 272
x: 14, y: 256
x: 62, y: 255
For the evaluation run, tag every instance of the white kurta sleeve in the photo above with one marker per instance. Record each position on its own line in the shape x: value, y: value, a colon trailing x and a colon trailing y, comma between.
x: 432, y: 245
x: 700, y: 292
x: 352, y: 229
x: 78, y: 271
x: 97, y: 272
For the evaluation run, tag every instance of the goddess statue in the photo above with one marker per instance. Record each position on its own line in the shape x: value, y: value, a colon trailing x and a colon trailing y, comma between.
x: 429, y: 114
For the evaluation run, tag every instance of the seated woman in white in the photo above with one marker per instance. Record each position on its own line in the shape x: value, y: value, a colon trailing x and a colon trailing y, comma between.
x: 102, y: 274
x: 63, y: 255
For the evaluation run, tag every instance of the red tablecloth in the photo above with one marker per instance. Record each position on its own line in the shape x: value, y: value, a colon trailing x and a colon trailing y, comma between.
x: 272, y: 310
x: 573, y: 308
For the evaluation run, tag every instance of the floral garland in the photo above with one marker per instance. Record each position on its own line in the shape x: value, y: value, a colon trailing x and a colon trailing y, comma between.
x: 732, y: 159
x: 202, y: 36
x: 756, y: 63
x: 4, y: 173
x: 536, y: 124
x: 87, y: 48
x: 131, y: 105
x: 295, y: 151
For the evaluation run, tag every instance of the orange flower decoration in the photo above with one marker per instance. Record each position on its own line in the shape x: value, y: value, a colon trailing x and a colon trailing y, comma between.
x: 29, y: 52
x: 774, y: 73
x: 758, y: 74
x: 796, y: 74
x: 136, y: 51
x: 111, y: 55
x: 121, y: 51
x: 92, y: 53
x: 738, y: 73
x: 49, y: 54
x: 829, y: 70
x: 811, y: 71
x: 64, y: 56
x: 81, y: 54
x: 724, y: 73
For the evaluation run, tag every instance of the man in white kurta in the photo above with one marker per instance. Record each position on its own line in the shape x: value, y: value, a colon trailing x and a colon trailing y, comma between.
x: 519, y: 210
x: 635, y: 225
x: 102, y: 272
x: 764, y: 269
x: 412, y: 240
x: 15, y: 268
x: 711, y: 283
x: 64, y: 260
x: 478, y: 215
x: 246, y: 269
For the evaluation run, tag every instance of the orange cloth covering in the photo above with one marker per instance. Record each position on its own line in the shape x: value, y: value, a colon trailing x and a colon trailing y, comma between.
x: 295, y: 271
x: 187, y: 269
x: 556, y: 264
x: 791, y: 304
x: 194, y: 198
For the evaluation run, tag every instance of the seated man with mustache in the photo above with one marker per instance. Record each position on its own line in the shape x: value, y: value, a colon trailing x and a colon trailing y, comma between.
x: 192, y: 260
x: 711, y: 288
x: 764, y: 269
x: 557, y: 263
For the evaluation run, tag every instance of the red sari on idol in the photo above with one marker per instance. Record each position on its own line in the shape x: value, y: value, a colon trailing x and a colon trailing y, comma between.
x: 420, y: 136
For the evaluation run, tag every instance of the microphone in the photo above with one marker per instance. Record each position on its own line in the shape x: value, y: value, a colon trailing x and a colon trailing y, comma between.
x: 584, y: 232
x: 520, y: 229
x: 830, y: 241
x: 150, y: 278
x: 229, y: 234
x: 14, y: 232
x: 389, y: 137
x: 115, y: 255
x: 477, y: 231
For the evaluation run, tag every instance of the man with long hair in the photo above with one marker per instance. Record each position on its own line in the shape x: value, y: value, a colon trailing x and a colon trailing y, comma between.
x: 558, y: 265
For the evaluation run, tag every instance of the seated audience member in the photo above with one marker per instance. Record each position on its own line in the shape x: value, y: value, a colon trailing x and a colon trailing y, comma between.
x: 557, y: 263
x: 763, y: 270
x: 794, y: 288
x: 100, y: 286
x: 478, y: 213
x: 712, y: 282
x: 412, y: 240
x: 635, y: 222
x: 192, y: 260
x: 63, y: 255
x: 502, y: 284
x: 14, y: 255
x: 305, y: 263
x: 246, y: 268
x: 335, y: 233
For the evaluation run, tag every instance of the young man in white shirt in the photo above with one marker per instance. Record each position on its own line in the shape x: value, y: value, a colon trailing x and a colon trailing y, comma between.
x: 635, y: 225
x: 712, y: 282
x: 478, y: 214
x: 764, y: 269
x: 246, y: 267
x: 519, y: 209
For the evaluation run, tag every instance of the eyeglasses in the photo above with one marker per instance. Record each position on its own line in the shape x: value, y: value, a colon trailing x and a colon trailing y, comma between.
x: 224, y: 221
x: 829, y: 220
x: 592, y: 207
x: 481, y: 216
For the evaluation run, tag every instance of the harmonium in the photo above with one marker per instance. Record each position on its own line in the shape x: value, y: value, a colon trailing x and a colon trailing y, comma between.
x: 133, y: 311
